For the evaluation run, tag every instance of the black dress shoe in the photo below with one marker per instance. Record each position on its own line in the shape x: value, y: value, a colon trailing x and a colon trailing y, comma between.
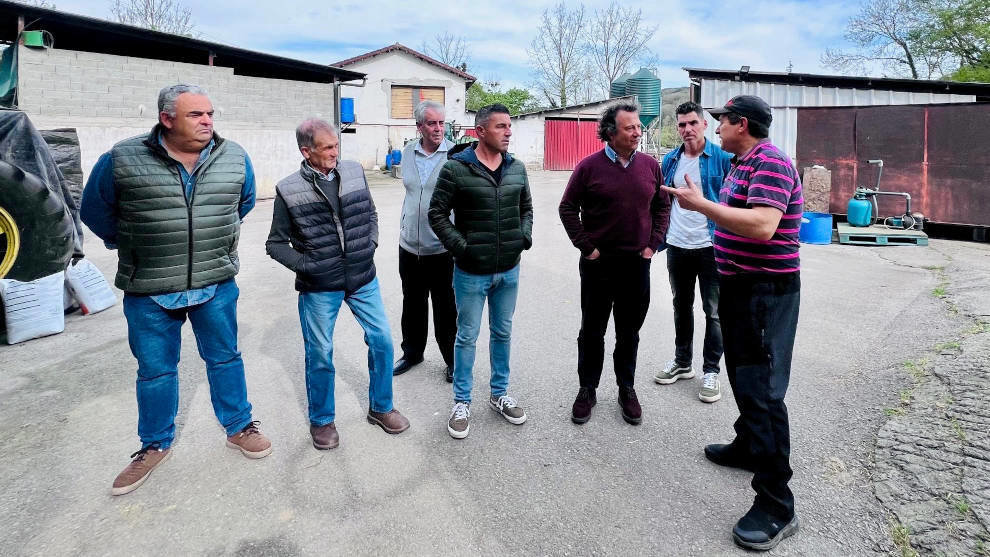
x: 405, y: 364
x: 729, y: 454
x: 760, y: 531
x: 450, y: 374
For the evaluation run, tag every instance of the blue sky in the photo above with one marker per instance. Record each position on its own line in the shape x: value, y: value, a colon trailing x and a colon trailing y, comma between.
x: 766, y: 36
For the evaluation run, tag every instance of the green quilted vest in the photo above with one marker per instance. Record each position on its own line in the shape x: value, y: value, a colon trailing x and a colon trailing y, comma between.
x: 165, y: 244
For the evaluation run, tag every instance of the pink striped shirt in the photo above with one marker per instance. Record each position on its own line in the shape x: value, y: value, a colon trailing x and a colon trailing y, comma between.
x: 763, y: 177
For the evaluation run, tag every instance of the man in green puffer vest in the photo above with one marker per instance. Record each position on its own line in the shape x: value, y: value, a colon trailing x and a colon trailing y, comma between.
x: 488, y: 192
x: 171, y: 204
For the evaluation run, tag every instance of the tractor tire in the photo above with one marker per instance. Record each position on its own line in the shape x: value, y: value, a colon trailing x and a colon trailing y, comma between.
x: 36, y: 230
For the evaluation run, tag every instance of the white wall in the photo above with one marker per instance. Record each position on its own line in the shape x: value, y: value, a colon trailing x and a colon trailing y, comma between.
x: 376, y: 129
x: 108, y: 98
x: 526, y: 143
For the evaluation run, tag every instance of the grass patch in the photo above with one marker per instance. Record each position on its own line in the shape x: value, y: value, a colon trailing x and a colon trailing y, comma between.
x: 978, y: 328
x: 934, y: 267
x: 901, y: 535
x: 950, y: 345
x: 939, y: 291
x: 891, y: 412
x: 981, y: 548
x: 957, y: 429
x: 961, y: 505
x: 905, y: 396
x: 916, y: 368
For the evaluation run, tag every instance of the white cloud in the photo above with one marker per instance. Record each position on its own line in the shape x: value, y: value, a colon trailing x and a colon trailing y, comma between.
x: 723, y: 35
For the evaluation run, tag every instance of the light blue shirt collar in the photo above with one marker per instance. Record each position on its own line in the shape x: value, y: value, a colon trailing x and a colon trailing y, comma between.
x: 614, y: 157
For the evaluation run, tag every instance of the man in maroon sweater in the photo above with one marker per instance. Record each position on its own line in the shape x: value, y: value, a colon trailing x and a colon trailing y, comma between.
x: 615, y: 214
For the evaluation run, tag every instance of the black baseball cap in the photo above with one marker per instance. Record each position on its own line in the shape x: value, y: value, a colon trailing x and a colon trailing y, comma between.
x: 751, y: 107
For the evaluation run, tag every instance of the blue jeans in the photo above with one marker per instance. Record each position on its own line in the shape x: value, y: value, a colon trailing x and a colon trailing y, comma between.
x: 318, y: 314
x: 683, y: 267
x: 470, y: 292
x: 154, y: 334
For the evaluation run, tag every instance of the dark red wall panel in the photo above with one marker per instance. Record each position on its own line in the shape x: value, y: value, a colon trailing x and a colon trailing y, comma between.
x: 566, y: 142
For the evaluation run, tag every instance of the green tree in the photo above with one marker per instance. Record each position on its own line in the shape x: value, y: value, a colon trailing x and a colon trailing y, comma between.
x: 919, y: 38
x: 516, y: 100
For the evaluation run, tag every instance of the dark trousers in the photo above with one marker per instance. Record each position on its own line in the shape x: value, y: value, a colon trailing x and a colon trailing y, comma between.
x: 618, y: 285
x: 684, y: 266
x: 423, y: 277
x: 759, y: 320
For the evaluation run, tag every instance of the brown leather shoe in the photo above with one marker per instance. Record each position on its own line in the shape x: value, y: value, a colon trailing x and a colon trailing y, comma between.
x: 142, y: 464
x: 391, y: 422
x: 325, y: 437
x: 251, y: 442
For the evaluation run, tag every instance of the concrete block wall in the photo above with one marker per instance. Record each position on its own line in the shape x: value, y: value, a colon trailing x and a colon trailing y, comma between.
x: 108, y: 98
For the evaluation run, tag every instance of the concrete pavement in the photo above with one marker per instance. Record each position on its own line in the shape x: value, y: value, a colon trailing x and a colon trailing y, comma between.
x: 68, y: 420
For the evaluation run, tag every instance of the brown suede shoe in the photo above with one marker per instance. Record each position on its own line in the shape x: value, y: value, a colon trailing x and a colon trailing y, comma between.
x: 251, y: 442
x: 391, y: 422
x: 632, y: 413
x: 141, y: 466
x: 325, y: 437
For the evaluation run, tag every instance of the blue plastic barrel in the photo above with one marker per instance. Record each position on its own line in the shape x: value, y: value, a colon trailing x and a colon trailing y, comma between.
x: 346, y: 110
x: 816, y: 228
x: 396, y: 156
x: 388, y: 161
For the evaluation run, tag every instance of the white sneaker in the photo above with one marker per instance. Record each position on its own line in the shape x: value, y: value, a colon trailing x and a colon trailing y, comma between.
x: 671, y: 372
x: 710, y: 391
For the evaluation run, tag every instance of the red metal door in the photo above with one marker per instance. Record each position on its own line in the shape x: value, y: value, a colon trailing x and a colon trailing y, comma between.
x: 566, y: 142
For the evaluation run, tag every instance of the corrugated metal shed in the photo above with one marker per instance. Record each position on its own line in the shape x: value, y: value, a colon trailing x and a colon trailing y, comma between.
x: 786, y: 93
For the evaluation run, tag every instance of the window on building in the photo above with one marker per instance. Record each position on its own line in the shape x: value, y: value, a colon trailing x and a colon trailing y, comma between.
x: 406, y: 97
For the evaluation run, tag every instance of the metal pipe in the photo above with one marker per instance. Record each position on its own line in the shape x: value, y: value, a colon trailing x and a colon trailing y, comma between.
x: 907, y: 197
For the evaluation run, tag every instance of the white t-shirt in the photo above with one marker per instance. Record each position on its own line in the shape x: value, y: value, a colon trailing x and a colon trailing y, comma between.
x: 688, y: 229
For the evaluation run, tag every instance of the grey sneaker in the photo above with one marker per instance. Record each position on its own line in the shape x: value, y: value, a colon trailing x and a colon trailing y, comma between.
x: 710, y: 391
x: 457, y: 425
x: 671, y: 372
x: 506, y: 406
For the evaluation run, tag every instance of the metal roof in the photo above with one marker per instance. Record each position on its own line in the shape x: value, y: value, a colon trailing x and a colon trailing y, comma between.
x: 980, y: 90
x: 88, y: 34
x: 403, y: 48
x: 570, y: 107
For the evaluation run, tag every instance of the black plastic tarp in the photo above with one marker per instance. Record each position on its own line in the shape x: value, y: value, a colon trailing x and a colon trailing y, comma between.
x: 24, y: 147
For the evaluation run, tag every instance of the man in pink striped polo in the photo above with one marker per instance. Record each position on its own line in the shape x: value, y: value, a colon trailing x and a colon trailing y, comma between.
x: 756, y: 248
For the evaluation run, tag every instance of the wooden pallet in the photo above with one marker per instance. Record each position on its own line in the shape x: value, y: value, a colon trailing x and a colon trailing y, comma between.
x: 879, y: 236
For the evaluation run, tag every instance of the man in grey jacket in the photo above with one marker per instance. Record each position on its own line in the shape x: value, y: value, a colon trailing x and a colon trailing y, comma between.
x: 425, y: 266
x: 325, y: 228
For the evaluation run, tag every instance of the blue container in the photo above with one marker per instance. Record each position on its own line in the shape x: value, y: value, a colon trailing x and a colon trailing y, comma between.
x: 816, y: 228
x: 859, y: 212
x: 396, y: 156
x: 346, y: 110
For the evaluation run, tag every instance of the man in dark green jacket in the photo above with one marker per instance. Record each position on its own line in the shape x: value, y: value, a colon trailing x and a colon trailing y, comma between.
x: 488, y: 192
x: 171, y: 204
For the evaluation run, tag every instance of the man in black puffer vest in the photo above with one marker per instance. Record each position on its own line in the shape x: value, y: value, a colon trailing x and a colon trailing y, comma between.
x: 325, y: 228
x: 488, y: 191
x: 171, y: 204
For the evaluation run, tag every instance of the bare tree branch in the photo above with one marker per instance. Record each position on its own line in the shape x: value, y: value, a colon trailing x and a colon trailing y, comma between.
x: 555, y: 54
x: 449, y: 49
x: 615, y: 37
x: 159, y: 15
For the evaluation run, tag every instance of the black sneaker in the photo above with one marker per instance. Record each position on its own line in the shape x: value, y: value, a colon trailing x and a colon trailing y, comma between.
x: 730, y: 455
x: 632, y: 413
x: 585, y: 401
x: 449, y: 373
x: 760, y: 531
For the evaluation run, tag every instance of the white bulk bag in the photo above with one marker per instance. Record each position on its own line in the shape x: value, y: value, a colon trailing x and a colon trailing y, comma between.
x: 33, y: 309
x: 89, y: 287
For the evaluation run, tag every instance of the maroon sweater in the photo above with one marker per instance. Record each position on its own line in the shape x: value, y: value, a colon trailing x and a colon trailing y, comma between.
x: 615, y: 209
